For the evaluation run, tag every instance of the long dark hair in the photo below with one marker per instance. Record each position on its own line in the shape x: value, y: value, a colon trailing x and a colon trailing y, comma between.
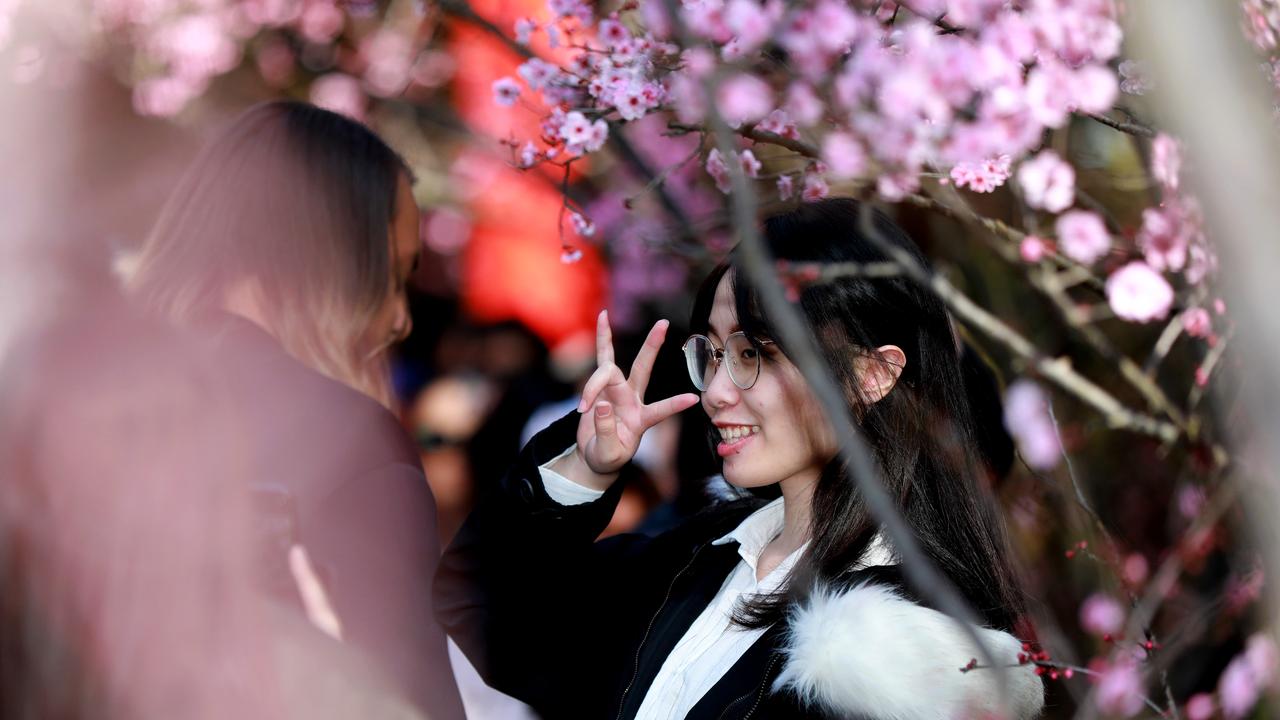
x: 922, y: 432
x: 300, y: 200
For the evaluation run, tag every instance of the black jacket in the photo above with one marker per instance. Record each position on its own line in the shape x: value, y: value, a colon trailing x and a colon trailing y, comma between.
x: 579, y: 629
x: 337, y: 471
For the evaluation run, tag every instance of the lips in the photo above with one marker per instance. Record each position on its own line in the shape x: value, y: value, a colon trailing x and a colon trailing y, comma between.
x: 734, y: 438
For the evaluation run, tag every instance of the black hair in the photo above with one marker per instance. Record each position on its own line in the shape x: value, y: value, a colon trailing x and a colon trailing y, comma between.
x: 922, y: 432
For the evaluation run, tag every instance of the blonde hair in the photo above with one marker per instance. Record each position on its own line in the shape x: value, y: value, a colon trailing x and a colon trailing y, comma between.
x: 299, y: 202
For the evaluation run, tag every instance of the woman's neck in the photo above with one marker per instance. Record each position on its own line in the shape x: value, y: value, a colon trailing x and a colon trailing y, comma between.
x: 797, y: 503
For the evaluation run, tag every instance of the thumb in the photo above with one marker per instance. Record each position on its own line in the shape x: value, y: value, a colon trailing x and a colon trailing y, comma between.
x: 606, y: 426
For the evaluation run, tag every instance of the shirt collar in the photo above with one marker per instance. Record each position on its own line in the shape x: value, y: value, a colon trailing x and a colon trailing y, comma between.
x: 759, y: 529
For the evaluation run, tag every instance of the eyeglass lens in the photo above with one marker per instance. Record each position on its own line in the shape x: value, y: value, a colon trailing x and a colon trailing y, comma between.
x: 701, y: 358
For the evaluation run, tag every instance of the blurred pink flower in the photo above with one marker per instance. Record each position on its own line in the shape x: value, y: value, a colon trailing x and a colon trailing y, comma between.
x: 446, y: 231
x: 744, y: 99
x: 1263, y: 657
x: 523, y: 29
x: 321, y: 21
x: 1190, y: 501
x: 1196, y: 322
x: 389, y: 58
x: 1166, y: 161
x: 1135, y: 569
x: 750, y: 165
x: 1238, y: 689
x: 165, y: 96
x: 1026, y: 417
x: 1165, y: 237
x: 1101, y: 614
x: 786, y: 187
x: 1138, y: 293
x: 1033, y: 249
x: 1200, y: 707
x: 1119, y: 691
x: 1047, y: 182
x: 340, y: 93
x: 1083, y: 236
x: 196, y: 47
x: 803, y: 104
x: 843, y: 155
x: 506, y: 91
x: 718, y: 171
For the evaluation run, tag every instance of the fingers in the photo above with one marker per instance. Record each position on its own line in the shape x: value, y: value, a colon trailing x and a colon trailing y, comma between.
x: 643, y: 366
x: 608, y: 452
x: 655, y: 413
x: 602, y: 378
x: 604, y: 340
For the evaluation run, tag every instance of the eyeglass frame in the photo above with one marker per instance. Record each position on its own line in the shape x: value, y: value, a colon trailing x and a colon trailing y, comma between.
x: 717, y: 358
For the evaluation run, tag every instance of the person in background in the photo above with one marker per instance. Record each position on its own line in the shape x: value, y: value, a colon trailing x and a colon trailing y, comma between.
x: 793, y: 608
x: 287, y: 247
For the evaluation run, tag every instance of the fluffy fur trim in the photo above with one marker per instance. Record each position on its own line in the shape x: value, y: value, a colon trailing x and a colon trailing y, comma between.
x: 869, y: 652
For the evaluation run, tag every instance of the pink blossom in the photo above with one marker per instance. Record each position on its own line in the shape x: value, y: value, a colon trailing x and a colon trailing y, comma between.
x: 706, y: 19
x: 322, y: 21
x: 1138, y: 293
x: 689, y: 99
x: 339, y: 93
x: 844, y: 155
x: 1135, y: 569
x: 896, y: 186
x: 1196, y: 322
x: 506, y: 91
x: 656, y: 18
x: 982, y: 177
x: 1083, y: 236
x: 1165, y: 237
x: 1238, y: 689
x: 196, y: 47
x: 699, y: 62
x: 537, y: 73
x: 814, y: 187
x: 1190, y: 501
x: 750, y: 165
x: 1263, y: 657
x: 1033, y: 248
x: 390, y: 58
x: 1200, y: 707
x: 166, y: 96
x: 582, y: 135
x: 1027, y: 418
x: 972, y: 13
x: 786, y: 187
x: 524, y: 28
x: 803, y: 104
x: 779, y: 123
x: 582, y: 225
x: 751, y: 23
x: 1166, y: 161
x: 1220, y: 306
x: 835, y: 26
x: 1101, y: 615
x: 1119, y: 691
x: 528, y: 155
x: 744, y: 99
x: 447, y: 231
x: 1094, y: 89
x: 1047, y: 182
x: 718, y: 171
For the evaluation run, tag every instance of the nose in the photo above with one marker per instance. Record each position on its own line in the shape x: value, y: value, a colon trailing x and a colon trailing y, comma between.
x: 721, y: 392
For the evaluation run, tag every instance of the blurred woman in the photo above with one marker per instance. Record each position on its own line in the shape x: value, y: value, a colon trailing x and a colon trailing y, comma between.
x: 288, y: 246
x: 786, y: 609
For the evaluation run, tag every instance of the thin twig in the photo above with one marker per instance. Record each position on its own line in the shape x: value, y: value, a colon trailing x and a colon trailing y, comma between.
x: 1132, y: 128
x: 1206, y: 370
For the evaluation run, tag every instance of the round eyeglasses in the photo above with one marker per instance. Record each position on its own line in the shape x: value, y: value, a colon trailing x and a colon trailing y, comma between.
x: 703, y: 358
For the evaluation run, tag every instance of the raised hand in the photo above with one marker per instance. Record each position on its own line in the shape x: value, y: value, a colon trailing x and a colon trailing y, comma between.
x: 614, y: 414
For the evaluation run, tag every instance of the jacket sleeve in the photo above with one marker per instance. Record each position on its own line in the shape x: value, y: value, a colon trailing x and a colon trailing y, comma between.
x: 377, y: 543
x: 544, y: 612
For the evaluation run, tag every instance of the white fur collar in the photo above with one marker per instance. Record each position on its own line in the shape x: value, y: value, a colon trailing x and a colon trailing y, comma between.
x: 869, y: 652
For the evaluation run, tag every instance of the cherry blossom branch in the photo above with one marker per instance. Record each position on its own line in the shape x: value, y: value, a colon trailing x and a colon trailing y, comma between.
x: 1050, y: 286
x: 1068, y: 671
x: 1132, y: 128
x: 1206, y: 371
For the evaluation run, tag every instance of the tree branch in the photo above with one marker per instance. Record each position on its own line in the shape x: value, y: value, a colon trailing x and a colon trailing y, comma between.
x: 1132, y: 128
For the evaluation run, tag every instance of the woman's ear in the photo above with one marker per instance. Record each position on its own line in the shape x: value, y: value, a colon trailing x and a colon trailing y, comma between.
x: 877, y: 374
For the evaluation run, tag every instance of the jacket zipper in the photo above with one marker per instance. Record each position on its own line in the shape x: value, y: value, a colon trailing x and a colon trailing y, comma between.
x: 759, y: 692
x: 636, y: 669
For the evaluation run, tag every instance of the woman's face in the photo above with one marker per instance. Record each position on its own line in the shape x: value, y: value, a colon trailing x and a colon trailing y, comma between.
x: 783, y: 433
x: 392, y: 323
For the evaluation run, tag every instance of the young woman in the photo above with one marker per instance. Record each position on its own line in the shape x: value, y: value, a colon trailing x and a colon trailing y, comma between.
x: 791, y: 609
x: 288, y: 245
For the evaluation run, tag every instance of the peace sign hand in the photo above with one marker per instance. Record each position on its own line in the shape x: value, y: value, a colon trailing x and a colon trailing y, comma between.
x: 609, y: 434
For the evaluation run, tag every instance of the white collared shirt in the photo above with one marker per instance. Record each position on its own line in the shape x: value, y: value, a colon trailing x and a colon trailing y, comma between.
x: 712, y: 644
